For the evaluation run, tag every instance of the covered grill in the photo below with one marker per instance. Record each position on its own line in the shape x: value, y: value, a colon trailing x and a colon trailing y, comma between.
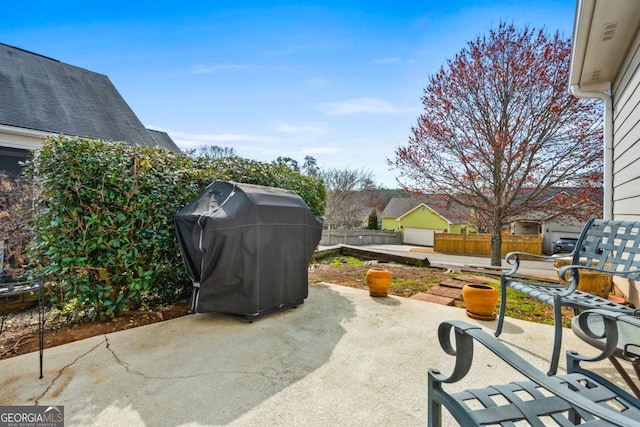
x: 247, y: 248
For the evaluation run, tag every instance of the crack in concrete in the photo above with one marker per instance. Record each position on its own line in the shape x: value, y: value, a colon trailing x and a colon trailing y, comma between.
x: 61, y: 371
x: 129, y: 370
x: 124, y: 364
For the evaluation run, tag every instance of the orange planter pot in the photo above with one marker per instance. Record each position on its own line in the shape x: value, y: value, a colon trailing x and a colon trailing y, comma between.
x: 617, y: 299
x: 480, y: 300
x: 378, y: 280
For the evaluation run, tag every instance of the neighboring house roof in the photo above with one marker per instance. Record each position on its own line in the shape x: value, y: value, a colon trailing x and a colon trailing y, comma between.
x: 440, y: 204
x: 595, y: 193
x: 398, y: 206
x: 163, y: 140
x: 42, y: 94
x: 567, y: 197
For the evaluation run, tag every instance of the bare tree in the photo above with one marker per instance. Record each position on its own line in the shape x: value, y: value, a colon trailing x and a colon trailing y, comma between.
x: 348, y: 195
x: 499, y: 129
x: 287, y: 161
x: 216, y: 152
x: 310, y: 166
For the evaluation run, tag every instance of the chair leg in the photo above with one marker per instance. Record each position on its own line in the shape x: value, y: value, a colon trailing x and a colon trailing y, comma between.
x: 625, y: 376
x: 557, y: 335
x: 434, y: 408
x: 503, y: 306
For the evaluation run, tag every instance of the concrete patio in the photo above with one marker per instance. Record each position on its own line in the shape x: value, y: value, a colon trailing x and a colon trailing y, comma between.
x: 342, y: 358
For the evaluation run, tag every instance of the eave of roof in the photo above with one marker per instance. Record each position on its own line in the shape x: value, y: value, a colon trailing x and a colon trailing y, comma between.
x: 603, y: 32
x: 426, y: 206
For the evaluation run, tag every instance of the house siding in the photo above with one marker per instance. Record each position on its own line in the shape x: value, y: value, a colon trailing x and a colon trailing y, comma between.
x: 390, y: 224
x: 423, y: 217
x: 626, y: 136
x: 625, y: 93
x: 462, y: 228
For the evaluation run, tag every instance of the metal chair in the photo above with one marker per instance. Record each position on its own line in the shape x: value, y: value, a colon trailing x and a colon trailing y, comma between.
x: 579, y: 397
x: 604, y: 246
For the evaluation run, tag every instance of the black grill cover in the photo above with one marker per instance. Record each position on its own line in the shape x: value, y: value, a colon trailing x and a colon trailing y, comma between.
x: 247, y: 248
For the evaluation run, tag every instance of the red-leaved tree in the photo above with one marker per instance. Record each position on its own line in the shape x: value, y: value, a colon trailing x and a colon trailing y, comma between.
x: 499, y: 130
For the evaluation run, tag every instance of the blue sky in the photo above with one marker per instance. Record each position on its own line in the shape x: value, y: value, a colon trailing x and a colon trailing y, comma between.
x: 338, y: 80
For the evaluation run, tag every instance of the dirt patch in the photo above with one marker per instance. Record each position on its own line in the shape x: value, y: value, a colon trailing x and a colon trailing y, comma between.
x: 408, y: 280
x: 20, y: 332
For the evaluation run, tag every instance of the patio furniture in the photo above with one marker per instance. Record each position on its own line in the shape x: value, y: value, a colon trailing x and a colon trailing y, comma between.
x: 247, y: 249
x: 10, y: 289
x: 590, y: 327
x: 579, y: 397
x: 604, y: 246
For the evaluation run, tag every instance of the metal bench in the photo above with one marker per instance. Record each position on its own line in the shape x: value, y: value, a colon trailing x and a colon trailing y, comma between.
x: 580, y: 397
x: 604, y: 246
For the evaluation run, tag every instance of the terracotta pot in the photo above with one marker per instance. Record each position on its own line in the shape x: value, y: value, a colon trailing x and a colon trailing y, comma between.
x: 590, y: 281
x: 480, y: 300
x: 378, y: 280
x: 617, y: 299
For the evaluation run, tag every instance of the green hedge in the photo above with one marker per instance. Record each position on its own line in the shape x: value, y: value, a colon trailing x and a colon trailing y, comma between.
x: 104, y: 225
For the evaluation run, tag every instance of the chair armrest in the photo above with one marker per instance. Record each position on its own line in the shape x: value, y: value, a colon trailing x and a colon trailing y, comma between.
x: 609, y: 334
x: 513, y: 258
x: 463, y: 351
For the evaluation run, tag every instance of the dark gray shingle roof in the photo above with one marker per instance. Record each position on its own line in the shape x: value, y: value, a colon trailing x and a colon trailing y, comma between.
x: 163, y: 140
x: 47, y: 95
x: 399, y: 206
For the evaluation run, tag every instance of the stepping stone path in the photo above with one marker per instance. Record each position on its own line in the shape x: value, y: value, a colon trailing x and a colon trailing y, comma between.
x: 450, y: 289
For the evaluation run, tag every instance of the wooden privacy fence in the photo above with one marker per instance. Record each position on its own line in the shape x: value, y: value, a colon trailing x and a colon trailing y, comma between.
x: 480, y: 244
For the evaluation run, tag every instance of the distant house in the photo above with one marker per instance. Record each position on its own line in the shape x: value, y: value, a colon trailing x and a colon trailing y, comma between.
x: 605, y: 64
x: 40, y: 96
x: 551, y: 222
x: 549, y: 226
x: 420, y: 218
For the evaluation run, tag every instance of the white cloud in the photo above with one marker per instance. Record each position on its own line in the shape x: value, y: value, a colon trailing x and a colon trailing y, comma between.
x: 207, y: 69
x: 362, y: 105
x: 190, y: 140
x: 301, y: 127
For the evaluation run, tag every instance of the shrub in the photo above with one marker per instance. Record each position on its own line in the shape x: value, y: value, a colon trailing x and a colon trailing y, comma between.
x: 104, y: 225
x: 312, y: 190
